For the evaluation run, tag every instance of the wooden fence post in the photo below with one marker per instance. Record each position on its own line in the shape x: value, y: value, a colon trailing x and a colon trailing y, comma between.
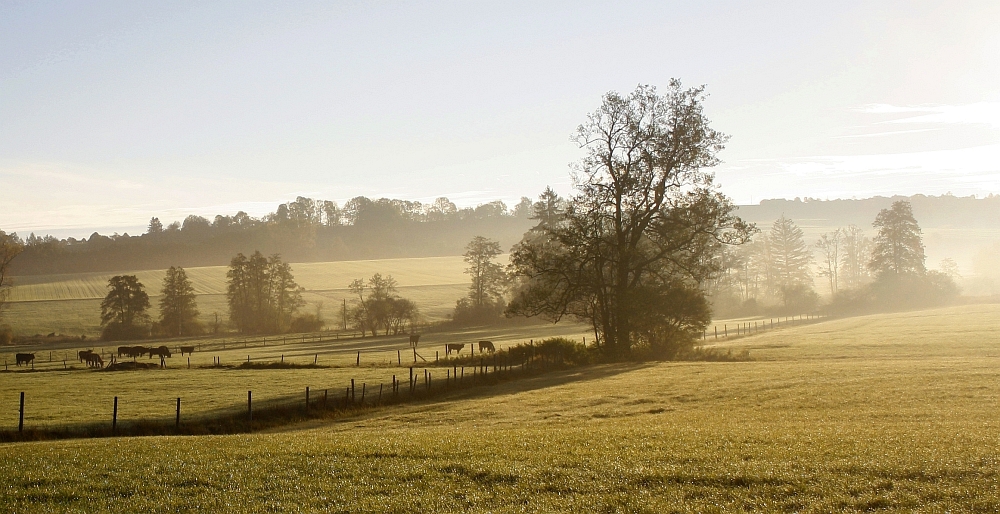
x: 380, y: 392
x: 177, y: 423
x: 20, y: 415
x: 399, y: 358
x: 353, y: 397
x: 359, y: 358
x: 114, y: 418
x: 364, y: 386
x: 250, y: 406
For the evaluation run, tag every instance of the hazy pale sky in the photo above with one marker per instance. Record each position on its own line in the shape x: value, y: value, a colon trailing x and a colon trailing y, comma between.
x: 112, y: 112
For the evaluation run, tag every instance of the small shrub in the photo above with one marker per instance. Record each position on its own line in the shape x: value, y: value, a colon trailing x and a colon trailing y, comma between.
x: 306, y: 323
x: 6, y: 335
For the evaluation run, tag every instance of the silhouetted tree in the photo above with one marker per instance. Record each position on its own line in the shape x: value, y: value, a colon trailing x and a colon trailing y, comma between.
x: 484, y: 302
x: 178, y: 307
x: 155, y: 227
x: 10, y: 247
x: 262, y: 293
x: 123, y: 310
x: 379, y: 307
x: 641, y: 230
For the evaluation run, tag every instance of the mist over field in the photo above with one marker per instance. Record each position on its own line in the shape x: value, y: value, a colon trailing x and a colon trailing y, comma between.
x: 500, y: 257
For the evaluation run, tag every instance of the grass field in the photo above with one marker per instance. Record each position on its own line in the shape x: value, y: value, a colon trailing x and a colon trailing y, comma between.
x: 892, y: 413
x: 70, y: 303
x: 57, y: 397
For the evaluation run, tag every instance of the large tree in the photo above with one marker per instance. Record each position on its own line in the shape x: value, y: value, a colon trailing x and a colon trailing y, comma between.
x: 638, y: 238
x: 262, y: 294
x: 123, y: 310
x: 178, y: 307
x: 10, y: 247
x: 898, y: 248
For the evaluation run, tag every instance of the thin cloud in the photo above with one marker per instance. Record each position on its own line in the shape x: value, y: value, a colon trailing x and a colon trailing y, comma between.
x: 985, y: 113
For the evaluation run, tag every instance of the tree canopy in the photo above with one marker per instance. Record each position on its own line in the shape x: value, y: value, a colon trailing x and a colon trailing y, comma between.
x: 10, y: 247
x: 123, y: 310
x: 898, y: 248
x: 635, y: 242
x: 485, y: 302
x: 178, y: 307
x: 262, y: 293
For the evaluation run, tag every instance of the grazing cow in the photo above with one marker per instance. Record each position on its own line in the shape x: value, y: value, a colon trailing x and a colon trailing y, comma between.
x: 451, y: 347
x: 414, y: 339
x: 125, y: 351
x: 83, y: 354
x: 162, y: 351
x: 137, y: 351
x: 95, y: 361
x: 25, y: 358
x: 187, y: 349
x: 486, y: 345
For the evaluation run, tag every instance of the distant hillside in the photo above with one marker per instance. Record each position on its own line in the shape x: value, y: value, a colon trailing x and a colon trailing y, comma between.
x: 931, y: 211
x: 318, y: 231
x: 301, y: 231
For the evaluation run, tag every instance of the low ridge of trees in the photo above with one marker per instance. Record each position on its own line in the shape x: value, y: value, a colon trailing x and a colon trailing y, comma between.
x: 379, y: 308
x: 301, y: 230
x: 262, y: 294
x: 123, y: 310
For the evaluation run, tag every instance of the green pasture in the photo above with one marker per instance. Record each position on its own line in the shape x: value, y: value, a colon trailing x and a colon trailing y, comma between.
x: 70, y: 303
x: 895, y: 413
x: 61, y: 391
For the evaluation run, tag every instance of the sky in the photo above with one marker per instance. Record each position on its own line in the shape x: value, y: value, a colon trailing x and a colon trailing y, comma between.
x: 114, y: 112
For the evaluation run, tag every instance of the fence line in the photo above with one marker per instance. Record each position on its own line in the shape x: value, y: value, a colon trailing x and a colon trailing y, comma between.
x: 500, y: 366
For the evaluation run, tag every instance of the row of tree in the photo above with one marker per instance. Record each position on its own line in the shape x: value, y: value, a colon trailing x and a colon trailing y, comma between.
x: 775, y: 271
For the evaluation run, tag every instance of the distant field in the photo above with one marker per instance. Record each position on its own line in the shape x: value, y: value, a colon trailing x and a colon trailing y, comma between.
x: 892, y: 413
x: 70, y: 303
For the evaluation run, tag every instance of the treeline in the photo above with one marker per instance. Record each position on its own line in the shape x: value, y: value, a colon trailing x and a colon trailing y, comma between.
x: 774, y: 272
x: 301, y: 231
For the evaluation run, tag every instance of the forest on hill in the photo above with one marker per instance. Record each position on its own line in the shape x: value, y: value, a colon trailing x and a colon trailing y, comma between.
x: 308, y: 230
x: 305, y: 230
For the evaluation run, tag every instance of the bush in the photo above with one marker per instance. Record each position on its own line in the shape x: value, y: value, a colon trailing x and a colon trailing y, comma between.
x: 306, y: 323
x: 6, y: 335
x: 119, y: 332
x: 486, y: 314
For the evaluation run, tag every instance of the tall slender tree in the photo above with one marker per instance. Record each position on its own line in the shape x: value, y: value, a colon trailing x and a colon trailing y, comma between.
x: 178, y: 307
x: 898, y: 248
x: 10, y: 247
x: 829, y: 246
x: 790, y: 256
x: 855, y: 256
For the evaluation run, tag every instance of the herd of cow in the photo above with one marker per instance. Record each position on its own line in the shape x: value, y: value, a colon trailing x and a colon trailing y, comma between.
x: 94, y: 359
